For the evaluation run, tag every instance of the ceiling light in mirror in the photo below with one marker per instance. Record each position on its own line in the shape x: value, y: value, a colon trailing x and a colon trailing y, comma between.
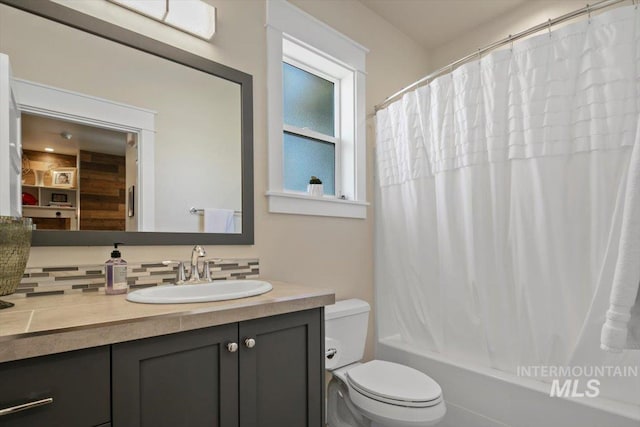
x: 191, y: 16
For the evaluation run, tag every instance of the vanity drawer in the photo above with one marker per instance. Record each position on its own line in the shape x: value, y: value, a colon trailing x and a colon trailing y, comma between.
x: 67, y: 389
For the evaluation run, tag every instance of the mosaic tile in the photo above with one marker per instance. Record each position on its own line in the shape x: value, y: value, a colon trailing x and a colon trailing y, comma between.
x: 39, y: 281
x: 35, y: 274
x: 39, y: 294
x: 52, y: 269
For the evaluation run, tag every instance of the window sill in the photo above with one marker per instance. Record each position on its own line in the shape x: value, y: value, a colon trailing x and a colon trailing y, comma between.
x: 303, y: 204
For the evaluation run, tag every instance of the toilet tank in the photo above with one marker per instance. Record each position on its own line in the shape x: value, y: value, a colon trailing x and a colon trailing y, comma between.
x: 345, y: 331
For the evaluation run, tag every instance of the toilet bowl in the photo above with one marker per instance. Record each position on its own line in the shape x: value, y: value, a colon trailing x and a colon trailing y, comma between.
x: 384, y: 393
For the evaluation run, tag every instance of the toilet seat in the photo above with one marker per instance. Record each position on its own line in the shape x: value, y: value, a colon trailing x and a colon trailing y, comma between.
x: 392, y: 395
x: 394, y: 384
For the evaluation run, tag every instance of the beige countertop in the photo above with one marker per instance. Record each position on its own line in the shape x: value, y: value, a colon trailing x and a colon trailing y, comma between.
x: 43, y: 325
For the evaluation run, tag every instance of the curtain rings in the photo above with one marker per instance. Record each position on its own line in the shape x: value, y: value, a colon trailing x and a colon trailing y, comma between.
x: 588, y: 13
x: 511, y: 42
x: 549, y: 26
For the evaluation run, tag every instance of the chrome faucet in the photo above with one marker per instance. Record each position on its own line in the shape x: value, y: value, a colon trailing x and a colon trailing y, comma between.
x: 197, y: 252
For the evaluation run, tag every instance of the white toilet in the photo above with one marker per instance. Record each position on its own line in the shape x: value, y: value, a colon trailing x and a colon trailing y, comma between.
x: 377, y: 393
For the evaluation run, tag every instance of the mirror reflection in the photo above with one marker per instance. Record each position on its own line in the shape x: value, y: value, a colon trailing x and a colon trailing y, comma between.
x: 90, y: 179
x: 75, y: 177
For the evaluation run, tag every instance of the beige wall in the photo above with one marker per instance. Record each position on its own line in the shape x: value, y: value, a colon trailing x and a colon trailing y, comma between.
x: 334, y: 253
x: 528, y: 15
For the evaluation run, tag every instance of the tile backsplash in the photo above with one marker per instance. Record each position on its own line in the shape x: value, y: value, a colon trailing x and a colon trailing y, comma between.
x: 39, y: 281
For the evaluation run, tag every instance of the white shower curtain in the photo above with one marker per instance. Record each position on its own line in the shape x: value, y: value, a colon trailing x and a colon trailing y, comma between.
x: 500, y: 192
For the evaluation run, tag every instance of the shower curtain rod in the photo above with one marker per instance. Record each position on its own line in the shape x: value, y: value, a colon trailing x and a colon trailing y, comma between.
x: 545, y: 25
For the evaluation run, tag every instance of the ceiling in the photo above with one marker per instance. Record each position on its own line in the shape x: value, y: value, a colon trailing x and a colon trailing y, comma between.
x: 433, y: 23
x: 40, y: 132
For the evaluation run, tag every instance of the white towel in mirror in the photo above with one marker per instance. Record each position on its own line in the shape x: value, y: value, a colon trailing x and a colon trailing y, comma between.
x: 218, y: 220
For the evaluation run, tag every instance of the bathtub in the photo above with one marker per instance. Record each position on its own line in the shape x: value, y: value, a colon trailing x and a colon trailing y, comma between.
x: 482, y: 397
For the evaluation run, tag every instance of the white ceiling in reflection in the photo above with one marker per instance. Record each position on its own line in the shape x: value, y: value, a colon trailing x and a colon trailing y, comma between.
x: 39, y: 133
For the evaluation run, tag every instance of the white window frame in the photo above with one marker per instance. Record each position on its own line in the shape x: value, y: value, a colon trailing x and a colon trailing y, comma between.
x: 293, y: 35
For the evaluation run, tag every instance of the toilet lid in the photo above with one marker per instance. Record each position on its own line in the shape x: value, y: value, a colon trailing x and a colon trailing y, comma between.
x: 394, y: 383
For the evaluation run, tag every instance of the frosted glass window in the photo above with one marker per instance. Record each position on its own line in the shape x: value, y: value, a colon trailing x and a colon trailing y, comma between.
x: 306, y: 157
x: 308, y: 100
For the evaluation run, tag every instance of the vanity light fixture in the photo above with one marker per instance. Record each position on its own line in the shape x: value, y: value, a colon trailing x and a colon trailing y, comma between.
x: 66, y: 135
x: 195, y: 17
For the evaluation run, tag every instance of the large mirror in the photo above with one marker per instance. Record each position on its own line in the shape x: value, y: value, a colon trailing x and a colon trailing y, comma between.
x: 125, y: 138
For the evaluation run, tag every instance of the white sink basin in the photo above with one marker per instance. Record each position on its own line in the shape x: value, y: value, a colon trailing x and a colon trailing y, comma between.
x: 214, y: 291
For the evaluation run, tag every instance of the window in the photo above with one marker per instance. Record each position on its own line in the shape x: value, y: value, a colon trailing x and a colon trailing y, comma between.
x: 310, y: 134
x: 315, y: 115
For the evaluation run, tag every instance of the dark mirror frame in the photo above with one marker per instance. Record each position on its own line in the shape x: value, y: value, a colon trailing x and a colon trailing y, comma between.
x: 89, y: 24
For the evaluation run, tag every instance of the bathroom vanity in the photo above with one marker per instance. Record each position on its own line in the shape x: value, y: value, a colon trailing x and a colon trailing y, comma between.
x: 250, y: 362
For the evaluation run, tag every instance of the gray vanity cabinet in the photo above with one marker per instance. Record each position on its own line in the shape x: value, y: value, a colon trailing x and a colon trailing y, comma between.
x: 69, y: 389
x: 274, y: 377
x: 188, y: 379
x: 282, y: 371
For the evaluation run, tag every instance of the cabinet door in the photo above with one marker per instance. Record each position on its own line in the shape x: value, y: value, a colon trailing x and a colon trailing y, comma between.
x: 282, y: 375
x: 187, y: 379
x: 67, y: 389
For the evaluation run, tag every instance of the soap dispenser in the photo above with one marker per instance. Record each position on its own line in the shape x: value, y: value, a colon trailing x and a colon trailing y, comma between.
x: 115, y: 269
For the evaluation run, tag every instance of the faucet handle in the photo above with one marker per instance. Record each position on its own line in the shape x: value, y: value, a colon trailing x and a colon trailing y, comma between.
x: 207, y: 268
x: 181, y: 276
x: 207, y: 271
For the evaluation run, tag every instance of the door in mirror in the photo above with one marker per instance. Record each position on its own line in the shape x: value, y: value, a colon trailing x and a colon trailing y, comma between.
x: 10, y: 164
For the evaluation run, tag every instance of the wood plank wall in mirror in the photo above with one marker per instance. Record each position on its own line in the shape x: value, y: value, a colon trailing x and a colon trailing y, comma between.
x: 92, y: 180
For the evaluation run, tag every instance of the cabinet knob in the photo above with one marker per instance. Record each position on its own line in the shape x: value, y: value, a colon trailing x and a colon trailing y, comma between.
x: 232, y: 347
x: 250, y: 342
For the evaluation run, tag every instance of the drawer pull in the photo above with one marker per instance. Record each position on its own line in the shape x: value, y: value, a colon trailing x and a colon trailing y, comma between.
x: 250, y: 342
x: 25, y: 406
